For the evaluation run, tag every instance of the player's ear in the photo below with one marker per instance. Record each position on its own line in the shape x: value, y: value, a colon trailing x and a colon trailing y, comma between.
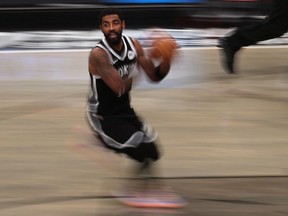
x: 100, y: 27
x: 123, y: 24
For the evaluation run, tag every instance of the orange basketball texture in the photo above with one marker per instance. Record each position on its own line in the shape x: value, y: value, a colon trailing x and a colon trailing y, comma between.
x: 164, y: 48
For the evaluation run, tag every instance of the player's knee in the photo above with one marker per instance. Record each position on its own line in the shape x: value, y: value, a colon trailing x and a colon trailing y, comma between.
x: 134, y: 154
x: 150, y: 150
x: 144, y: 151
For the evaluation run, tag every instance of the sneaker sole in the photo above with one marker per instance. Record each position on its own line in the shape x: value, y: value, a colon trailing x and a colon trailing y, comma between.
x: 150, y: 203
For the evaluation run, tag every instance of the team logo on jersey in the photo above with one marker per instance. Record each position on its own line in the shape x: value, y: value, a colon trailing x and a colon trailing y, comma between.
x: 123, y: 71
x: 131, y: 55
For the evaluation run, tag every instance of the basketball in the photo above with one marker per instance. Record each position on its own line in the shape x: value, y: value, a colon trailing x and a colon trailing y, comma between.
x: 164, y: 48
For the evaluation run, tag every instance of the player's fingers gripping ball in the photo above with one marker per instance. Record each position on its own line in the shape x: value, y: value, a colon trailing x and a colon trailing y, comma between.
x: 164, y: 48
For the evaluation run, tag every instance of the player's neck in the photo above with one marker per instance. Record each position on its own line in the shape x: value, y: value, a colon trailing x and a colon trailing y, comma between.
x: 117, y: 47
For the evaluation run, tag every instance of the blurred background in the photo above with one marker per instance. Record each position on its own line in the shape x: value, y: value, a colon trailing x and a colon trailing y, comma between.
x: 82, y: 14
x: 41, y: 24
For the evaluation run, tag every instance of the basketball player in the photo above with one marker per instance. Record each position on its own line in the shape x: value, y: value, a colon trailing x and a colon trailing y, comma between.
x: 273, y: 26
x: 113, y: 63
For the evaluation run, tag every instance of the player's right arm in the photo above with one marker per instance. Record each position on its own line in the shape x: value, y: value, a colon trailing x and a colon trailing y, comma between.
x: 100, y: 65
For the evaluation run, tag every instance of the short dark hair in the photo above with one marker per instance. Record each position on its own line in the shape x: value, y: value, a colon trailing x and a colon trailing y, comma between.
x: 110, y: 11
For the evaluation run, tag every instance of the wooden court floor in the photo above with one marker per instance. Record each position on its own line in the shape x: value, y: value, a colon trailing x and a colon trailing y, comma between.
x: 224, y: 137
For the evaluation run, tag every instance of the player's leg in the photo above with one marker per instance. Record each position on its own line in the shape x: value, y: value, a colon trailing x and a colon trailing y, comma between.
x: 273, y: 26
x: 144, y: 189
x: 141, y: 190
x: 145, y: 155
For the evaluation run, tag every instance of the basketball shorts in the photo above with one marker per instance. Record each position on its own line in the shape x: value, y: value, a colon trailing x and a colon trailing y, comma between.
x: 130, y: 135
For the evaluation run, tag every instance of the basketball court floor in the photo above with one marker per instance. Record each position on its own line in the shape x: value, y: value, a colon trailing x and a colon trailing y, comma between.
x: 224, y: 137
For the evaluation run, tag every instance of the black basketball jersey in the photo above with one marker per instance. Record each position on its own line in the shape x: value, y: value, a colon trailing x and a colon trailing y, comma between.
x: 102, y: 99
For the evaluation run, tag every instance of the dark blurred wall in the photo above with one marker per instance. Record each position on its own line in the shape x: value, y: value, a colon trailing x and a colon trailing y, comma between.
x: 18, y: 15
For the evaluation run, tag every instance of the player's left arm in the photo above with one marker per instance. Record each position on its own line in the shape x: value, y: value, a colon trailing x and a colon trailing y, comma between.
x: 154, y: 72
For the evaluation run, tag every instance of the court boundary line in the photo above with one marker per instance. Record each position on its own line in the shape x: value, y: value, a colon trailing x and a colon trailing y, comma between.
x: 210, y: 177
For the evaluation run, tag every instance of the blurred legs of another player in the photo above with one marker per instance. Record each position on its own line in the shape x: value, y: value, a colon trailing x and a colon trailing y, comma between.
x: 273, y: 26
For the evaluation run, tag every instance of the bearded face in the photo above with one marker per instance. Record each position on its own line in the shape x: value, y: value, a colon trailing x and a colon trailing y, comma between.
x: 113, y: 37
x: 112, y: 28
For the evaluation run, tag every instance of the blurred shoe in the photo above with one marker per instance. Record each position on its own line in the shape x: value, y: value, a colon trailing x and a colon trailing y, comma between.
x: 150, y: 198
x: 228, y: 53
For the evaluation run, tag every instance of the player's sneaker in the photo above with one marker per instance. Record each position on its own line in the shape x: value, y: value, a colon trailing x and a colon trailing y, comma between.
x: 164, y: 198
x: 227, y: 55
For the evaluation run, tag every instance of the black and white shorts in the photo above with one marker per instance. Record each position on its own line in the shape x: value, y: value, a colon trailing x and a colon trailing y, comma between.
x: 120, y: 132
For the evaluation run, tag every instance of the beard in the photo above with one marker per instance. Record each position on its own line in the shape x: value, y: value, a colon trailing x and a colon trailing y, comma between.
x: 113, y: 38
